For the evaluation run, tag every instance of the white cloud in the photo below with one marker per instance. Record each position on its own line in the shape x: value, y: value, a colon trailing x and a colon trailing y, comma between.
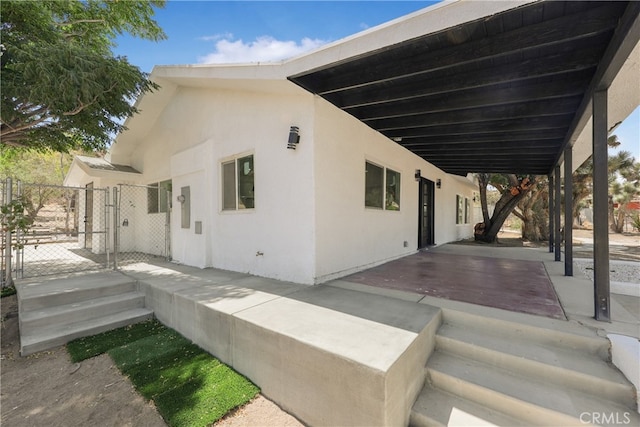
x: 216, y: 37
x: 262, y: 49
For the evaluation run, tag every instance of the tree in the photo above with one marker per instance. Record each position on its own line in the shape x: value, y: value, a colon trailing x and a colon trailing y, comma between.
x: 533, y: 210
x: 513, y: 189
x: 624, y: 184
x: 62, y: 86
x: 46, y: 169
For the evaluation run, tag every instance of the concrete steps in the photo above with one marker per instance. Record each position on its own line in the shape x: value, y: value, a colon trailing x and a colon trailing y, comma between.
x: 53, y: 312
x: 487, y: 371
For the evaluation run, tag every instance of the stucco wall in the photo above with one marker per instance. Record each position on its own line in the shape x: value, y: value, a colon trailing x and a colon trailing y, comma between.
x: 200, y: 129
x: 309, y: 223
x: 351, y: 236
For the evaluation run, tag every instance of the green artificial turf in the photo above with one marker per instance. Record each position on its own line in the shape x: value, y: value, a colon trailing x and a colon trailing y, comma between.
x: 86, y: 348
x: 188, y: 385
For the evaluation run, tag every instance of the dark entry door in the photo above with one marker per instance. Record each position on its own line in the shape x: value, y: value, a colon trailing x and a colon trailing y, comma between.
x: 88, y: 216
x: 425, y: 214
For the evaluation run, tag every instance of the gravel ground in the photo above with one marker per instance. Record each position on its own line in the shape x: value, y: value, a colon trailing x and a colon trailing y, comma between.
x: 619, y: 271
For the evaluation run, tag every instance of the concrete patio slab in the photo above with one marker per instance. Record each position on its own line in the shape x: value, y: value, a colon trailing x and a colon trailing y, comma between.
x: 511, y: 284
x: 332, y: 356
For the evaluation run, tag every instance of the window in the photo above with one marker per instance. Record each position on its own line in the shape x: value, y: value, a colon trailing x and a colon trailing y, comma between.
x: 158, y: 199
x: 392, y: 199
x: 467, y: 210
x: 373, y: 186
x: 382, y: 187
x: 460, y: 209
x: 238, y: 184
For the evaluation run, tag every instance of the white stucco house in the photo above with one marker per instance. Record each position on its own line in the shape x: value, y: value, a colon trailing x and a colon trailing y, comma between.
x: 341, y: 199
x: 313, y: 168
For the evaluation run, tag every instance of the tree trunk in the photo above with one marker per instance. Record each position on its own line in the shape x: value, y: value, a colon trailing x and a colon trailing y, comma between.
x: 489, y: 229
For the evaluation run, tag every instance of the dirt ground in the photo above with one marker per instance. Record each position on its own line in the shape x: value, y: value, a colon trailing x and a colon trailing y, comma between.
x: 46, y: 389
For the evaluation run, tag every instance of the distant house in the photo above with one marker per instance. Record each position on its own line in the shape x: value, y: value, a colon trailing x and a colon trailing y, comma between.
x: 276, y: 182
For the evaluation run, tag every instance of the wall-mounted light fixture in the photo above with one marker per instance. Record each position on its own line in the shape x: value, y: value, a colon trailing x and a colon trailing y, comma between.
x: 294, y: 137
x: 125, y: 223
x: 439, y: 183
x: 181, y: 198
x: 417, y: 175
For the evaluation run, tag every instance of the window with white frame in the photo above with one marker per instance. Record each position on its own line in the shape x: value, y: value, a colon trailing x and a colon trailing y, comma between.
x: 158, y: 197
x: 238, y: 184
x: 382, y: 187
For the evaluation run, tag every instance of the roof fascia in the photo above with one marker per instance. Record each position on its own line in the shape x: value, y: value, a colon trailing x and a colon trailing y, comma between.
x: 623, y: 43
x: 435, y: 18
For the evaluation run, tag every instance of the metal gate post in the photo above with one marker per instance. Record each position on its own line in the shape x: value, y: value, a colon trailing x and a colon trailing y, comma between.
x: 167, y: 228
x: 19, y: 255
x: 106, y: 224
x: 7, y: 264
x: 116, y: 227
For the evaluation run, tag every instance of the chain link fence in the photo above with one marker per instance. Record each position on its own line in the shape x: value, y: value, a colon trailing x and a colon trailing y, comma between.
x: 69, y: 230
x: 75, y: 229
x: 142, y: 223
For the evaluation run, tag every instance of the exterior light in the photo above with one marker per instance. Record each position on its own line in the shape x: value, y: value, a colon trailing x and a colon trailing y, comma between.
x: 439, y: 183
x: 417, y: 175
x: 294, y: 137
x: 181, y: 198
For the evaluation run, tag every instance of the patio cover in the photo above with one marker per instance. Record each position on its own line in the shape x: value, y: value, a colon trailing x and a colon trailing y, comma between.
x: 500, y: 93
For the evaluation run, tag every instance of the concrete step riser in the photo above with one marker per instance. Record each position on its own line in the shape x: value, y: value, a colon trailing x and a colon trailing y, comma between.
x: 77, y: 295
x: 547, y: 337
x: 621, y: 393
x: 417, y: 419
x: 80, y: 312
x: 531, y: 413
x: 48, y: 343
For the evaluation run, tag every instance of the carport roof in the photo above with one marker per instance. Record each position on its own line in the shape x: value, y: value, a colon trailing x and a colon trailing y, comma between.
x: 504, y: 93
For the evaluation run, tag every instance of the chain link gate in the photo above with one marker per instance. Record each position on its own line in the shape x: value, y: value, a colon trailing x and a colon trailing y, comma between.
x: 142, y: 223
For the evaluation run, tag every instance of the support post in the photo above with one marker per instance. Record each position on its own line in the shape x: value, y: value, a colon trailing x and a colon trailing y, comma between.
x: 552, y: 231
x: 568, y: 211
x: 556, y: 213
x: 600, y: 208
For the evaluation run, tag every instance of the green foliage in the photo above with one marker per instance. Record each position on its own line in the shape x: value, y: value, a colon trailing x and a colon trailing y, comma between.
x: 8, y: 291
x: 62, y: 86
x: 15, y: 218
x: 188, y: 386
x: 635, y: 222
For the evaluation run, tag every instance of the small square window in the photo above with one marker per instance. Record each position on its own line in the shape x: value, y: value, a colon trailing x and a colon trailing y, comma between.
x: 382, y: 188
x: 157, y: 197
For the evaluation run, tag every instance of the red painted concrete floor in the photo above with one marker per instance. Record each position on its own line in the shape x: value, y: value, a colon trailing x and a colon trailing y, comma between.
x: 515, y: 285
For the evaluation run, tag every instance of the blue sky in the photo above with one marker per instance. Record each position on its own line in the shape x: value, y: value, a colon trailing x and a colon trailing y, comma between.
x: 251, y: 31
